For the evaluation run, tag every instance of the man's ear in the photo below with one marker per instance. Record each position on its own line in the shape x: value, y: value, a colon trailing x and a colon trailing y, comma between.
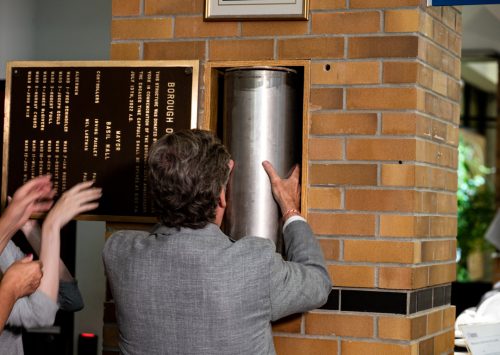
x: 222, y: 198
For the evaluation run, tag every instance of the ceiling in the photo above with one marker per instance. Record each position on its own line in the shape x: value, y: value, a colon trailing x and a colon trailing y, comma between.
x: 481, y: 45
x: 481, y: 29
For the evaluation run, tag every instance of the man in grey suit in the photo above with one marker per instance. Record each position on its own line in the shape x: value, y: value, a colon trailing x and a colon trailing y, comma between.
x: 186, y: 288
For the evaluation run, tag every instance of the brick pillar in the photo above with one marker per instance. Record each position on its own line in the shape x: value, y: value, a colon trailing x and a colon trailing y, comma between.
x: 381, y: 149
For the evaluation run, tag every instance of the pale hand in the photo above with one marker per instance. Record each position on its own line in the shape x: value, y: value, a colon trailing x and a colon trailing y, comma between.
x: 35, y: 196
x: 80, y: 198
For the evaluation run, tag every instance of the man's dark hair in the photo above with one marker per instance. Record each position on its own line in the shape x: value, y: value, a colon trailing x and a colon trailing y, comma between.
x: 187, y: 171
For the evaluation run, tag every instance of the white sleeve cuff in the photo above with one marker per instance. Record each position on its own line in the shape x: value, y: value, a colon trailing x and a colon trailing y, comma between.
x: 293, y: 219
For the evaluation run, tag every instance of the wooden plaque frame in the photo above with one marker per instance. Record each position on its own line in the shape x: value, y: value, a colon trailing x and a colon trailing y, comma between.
x: 82, y: 120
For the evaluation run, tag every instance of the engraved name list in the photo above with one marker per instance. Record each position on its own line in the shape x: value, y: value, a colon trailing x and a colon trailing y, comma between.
x: 81, y: 123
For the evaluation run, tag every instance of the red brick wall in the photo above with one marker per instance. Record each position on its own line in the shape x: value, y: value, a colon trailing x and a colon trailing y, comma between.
x: 382, y: 155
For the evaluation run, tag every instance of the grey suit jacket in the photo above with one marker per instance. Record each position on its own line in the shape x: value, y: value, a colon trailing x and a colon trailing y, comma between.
x: 196, y: 292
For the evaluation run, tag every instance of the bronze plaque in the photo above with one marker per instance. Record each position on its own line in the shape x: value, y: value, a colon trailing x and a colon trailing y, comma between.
x: 94, y: 121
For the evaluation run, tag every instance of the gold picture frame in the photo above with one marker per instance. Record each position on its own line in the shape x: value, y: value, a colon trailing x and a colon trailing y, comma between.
x: 226, y: 10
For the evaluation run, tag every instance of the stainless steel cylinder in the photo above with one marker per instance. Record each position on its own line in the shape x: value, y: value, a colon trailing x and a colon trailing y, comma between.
x: 261, y: 121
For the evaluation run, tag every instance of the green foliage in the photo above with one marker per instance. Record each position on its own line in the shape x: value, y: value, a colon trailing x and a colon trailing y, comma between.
x: 476, y: 206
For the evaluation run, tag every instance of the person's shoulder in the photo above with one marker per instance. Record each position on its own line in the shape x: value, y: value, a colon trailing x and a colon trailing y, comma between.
x: 122, y: 238
x: 255, y: 245
x: 130, y: 233
x: 127, y: 234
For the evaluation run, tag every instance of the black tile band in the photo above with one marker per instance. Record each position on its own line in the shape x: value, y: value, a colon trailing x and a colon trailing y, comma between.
x: 377, y: 301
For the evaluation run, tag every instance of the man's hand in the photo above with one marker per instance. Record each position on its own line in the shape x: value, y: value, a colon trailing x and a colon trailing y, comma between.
x: 285, y: 191
x: 23, y: 277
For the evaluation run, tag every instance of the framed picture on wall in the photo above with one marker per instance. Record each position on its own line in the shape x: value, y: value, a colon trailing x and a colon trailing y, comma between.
x: 224, y: 10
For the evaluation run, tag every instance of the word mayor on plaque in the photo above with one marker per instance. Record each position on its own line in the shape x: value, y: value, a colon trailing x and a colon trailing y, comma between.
x: 80, y: 121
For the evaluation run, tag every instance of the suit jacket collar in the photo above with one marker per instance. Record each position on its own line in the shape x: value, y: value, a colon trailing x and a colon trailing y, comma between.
x: 209, y: 229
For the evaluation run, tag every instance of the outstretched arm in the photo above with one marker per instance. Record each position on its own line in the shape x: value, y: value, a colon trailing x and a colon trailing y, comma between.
x: 33, y: 233
x: 21, y: 279
x: 302, y: 283
x: 35, y: 196
x: 80, y: 198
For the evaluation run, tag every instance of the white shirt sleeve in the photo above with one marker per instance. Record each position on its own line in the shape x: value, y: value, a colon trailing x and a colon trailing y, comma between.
x: 292, y: 219
x: 35, y: 310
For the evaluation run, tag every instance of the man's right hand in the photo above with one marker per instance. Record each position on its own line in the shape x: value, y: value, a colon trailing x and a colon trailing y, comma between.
x: 23, y: 277
x: 285, y: 191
